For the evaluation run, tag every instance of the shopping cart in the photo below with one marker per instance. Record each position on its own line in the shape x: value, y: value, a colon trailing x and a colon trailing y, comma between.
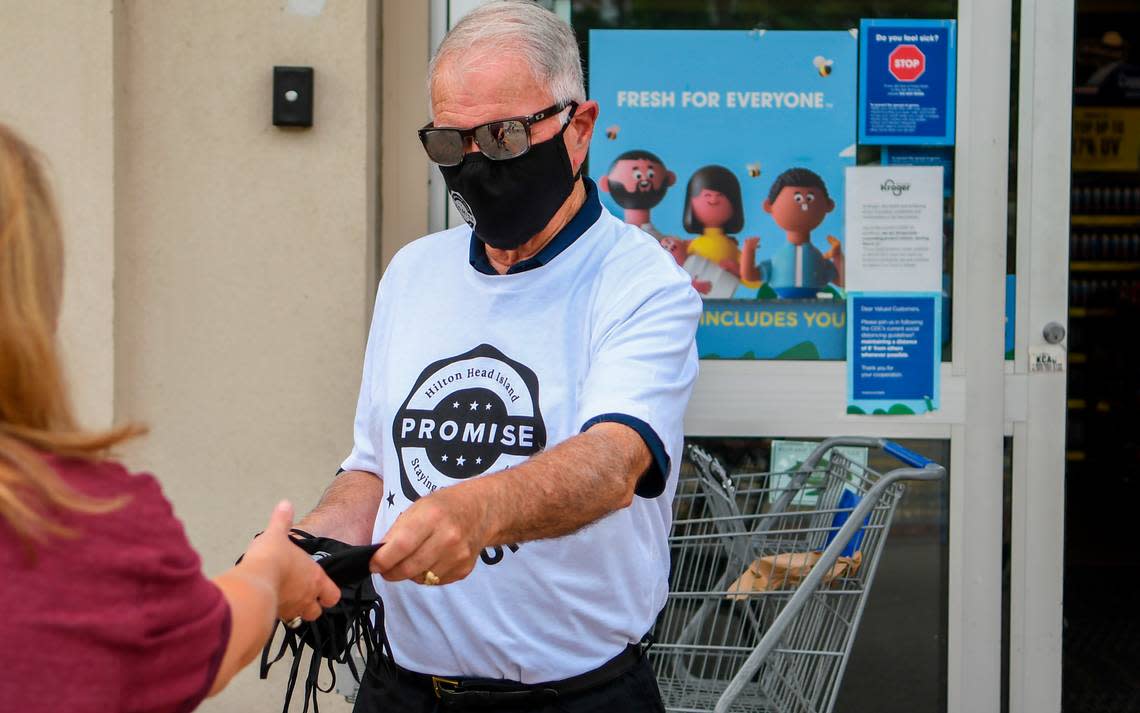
x: 767, y: 586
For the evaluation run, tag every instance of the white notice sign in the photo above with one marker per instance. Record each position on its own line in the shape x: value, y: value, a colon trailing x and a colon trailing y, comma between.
x: 894, y: 228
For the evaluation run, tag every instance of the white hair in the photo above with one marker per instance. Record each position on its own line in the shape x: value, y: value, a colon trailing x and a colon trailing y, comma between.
x: 524, y: 29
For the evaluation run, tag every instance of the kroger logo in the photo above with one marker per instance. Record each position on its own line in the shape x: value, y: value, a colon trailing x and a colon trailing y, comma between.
x: 890, y: 186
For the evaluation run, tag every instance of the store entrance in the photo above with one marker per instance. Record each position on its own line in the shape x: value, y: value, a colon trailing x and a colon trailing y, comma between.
x: 1101, y: 640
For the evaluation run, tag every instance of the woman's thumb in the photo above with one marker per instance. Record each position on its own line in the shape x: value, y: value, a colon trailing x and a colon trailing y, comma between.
x: 282, y: 518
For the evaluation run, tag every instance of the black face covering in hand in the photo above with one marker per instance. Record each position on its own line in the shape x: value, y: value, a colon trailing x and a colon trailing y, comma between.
x: 508, y: 202
x: 355, y: 622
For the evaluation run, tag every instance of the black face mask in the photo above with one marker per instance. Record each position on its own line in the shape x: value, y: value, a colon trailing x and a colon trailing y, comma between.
x: 355, y: 622
x: 507, y: 202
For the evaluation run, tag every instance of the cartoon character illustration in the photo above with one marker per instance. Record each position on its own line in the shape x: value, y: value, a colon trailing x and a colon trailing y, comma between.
x: 676, y: 247
x: 713, y: 209
x: 679, y: 249
x: 638, y: 180
x: 798, y: 201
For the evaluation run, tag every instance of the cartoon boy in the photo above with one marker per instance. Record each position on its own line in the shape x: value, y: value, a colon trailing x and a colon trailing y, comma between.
x: 638, y: 180
x: 798, y: 202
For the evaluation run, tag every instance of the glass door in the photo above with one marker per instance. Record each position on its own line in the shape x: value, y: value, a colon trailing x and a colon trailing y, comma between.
x: 1099, y: 655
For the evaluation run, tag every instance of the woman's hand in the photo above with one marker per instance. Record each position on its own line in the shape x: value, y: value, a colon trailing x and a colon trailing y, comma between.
x: 302, y: 587
x: 274, y: 578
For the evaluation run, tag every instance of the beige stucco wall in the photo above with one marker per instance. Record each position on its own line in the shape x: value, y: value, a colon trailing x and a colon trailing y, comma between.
x: 56, y: 88
x: 245, y: 261
x: 221, y: 270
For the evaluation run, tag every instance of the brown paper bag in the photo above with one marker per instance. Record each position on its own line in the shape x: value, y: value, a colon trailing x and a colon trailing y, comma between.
x: 786, y: 570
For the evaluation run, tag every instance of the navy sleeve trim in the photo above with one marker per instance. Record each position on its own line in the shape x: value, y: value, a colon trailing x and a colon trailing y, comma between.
x: 652, y: 482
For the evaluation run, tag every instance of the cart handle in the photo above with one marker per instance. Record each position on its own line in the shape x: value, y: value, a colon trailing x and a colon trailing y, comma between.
x: 914, y: 460
x: 907, y: 456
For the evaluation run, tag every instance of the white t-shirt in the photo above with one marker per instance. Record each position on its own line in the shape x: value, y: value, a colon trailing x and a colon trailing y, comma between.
x: 467, y: 373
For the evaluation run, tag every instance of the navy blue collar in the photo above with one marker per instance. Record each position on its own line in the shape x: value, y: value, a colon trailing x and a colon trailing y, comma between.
x: 587, y: 215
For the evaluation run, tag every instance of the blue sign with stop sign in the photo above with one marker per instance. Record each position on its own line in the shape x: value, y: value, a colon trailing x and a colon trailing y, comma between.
x: 906, y: 82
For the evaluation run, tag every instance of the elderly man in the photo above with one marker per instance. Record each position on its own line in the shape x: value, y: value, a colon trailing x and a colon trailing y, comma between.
x: 519, y: 426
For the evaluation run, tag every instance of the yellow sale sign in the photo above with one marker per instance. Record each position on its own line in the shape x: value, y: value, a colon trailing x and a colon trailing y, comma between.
x: 1106, y: 139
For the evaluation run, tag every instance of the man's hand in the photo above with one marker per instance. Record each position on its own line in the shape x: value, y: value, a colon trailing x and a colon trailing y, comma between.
x: 443, y: 532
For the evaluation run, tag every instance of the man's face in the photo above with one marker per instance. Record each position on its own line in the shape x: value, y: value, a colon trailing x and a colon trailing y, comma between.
x: 800, y: 210
x: 479, y: 88
x: 638, y: 183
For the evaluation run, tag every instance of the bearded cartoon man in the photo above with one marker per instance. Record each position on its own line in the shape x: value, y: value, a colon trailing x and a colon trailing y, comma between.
x: 638, y: 180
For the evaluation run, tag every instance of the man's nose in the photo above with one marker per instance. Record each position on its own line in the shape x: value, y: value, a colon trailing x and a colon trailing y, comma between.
x: 469, y: 145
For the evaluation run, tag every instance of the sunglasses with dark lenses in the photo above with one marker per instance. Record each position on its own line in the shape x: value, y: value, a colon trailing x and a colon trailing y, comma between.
x: 497, y: 140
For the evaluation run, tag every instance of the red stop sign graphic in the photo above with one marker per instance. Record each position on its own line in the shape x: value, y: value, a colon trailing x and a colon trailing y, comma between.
x: 906, y: 63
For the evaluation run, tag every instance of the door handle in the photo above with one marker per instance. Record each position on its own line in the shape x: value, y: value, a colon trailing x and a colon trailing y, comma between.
x: 1054, y: 332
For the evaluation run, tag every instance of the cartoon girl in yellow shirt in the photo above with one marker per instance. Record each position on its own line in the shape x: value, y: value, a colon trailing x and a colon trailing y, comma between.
x: 714, y: 210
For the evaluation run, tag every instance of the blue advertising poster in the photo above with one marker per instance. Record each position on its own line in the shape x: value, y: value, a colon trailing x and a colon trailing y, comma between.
x: 729, y: 147
x: 906, y: 82
x: 895, y: 353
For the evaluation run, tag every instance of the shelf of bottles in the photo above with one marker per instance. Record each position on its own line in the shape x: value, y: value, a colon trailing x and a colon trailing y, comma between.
x: 1104, y: 312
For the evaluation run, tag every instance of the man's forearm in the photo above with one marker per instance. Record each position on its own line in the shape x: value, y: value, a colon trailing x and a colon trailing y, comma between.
x: 347, y: 510
x: 555, y: 493
x: 564, y: 489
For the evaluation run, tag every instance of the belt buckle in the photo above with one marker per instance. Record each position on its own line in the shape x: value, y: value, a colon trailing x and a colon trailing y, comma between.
x: 440, y: 685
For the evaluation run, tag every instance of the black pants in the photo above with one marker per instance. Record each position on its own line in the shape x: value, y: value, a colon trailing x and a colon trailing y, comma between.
x: 633, y: 692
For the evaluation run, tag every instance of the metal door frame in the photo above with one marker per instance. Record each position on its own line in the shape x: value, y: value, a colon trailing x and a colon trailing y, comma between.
x: 1038, y: 499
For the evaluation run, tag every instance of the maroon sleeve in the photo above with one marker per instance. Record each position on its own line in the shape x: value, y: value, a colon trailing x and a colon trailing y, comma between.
x: 183, y: 618
x: 117, y: 617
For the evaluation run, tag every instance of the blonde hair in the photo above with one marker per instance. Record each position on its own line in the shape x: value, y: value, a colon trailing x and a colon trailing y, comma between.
x: 35, y: 412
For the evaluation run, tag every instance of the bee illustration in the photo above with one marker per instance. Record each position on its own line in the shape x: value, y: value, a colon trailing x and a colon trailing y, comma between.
x: 612, y: 131
x: 823, y: 65
x: 753, y: 169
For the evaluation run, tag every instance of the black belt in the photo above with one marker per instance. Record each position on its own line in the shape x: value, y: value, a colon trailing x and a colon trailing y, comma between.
x: 486, y: 693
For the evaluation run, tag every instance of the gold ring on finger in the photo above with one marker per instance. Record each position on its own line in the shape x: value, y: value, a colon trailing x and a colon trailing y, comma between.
x: 430, y: 578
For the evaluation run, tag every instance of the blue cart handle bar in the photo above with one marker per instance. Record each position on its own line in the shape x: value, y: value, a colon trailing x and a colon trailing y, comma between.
x: 906, y: 455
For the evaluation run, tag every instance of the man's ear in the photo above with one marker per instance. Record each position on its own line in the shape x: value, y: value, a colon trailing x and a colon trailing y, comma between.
x: 604, y: 183
x: 768, y: 206
x: 580, y: 131
x: 670, y: 178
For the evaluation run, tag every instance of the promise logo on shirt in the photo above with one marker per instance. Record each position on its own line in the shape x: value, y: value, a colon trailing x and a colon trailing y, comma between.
x: 462, y: 415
